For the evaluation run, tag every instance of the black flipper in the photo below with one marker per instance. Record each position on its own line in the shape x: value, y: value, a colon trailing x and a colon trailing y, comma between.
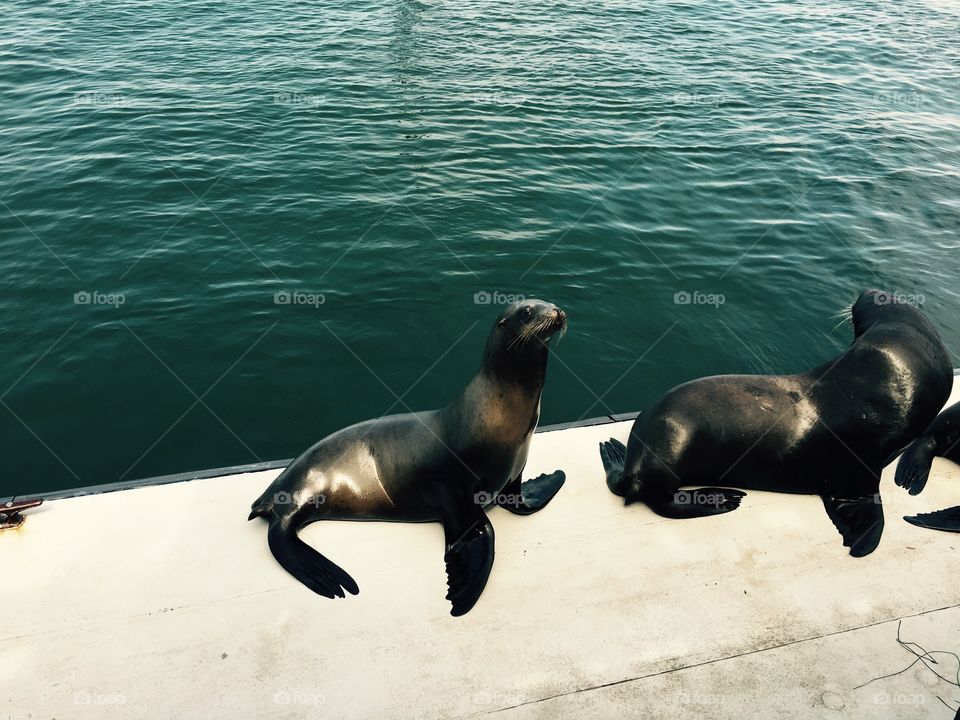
x: 947, y: 520
x: 613, y: 454
x: 914, y: 466
x: 525, y: 498
x: 702, y: 502
x: 306, y: 564
x: 859, y: 520
x: 469, y: 556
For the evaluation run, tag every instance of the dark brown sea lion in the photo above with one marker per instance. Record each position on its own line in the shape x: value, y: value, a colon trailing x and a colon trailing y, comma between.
x: 829, y: 431
x: 439, y: 466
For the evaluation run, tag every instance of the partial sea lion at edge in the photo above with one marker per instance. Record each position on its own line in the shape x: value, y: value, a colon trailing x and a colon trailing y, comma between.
x: 829, y: 431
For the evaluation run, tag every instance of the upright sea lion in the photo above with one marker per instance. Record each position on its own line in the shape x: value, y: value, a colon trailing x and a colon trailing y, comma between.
x: 439, y: 466
x: 829, y: 431
x: 941, y: 439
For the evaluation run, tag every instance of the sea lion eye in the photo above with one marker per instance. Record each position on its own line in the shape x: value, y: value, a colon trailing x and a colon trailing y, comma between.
x: 526, y: 311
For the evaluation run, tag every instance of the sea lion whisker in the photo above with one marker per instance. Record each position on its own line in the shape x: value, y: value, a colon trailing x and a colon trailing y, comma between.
x: 834, y: 328
x: 528, y: 332
x: 845, y: 312
x: 522, y: 337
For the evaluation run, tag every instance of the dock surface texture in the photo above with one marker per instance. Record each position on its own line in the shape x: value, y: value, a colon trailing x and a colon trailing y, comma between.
x: 164, y: 602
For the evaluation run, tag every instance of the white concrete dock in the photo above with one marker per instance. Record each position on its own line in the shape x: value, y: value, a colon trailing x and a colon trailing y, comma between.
x: 163, y: 602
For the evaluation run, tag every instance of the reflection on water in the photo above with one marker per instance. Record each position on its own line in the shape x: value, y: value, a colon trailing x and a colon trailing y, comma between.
x: 401, y: 161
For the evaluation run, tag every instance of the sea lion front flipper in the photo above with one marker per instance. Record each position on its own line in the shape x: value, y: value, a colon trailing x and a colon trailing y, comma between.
x: 947, y: 520
x: 469, y: 556
x: 859, y: 520
x: 528, y: 496
x: 914, y: 466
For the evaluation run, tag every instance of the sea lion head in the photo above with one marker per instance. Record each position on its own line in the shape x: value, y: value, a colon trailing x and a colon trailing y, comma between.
x: 874, y: 307
x: 530, y: 321
x: 519, y: 340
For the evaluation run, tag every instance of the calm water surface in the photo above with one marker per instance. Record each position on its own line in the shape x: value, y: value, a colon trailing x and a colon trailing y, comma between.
x: 200, y: 161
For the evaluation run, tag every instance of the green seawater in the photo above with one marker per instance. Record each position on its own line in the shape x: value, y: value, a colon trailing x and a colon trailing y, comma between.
x: 170, y: 172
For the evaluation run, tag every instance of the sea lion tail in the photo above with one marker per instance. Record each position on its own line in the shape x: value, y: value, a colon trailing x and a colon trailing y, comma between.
x: 914, y: 466
x: 275, y: 501
x: 306, y: 564
x: 262, y: 507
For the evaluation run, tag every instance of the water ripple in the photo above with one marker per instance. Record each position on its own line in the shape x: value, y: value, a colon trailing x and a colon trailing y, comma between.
x: 395, y: 160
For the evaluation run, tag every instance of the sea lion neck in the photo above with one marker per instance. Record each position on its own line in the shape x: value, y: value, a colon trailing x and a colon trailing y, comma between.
x: 524, y: 365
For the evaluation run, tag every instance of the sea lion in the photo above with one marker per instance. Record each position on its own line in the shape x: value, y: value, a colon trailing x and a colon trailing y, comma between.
x: 829, y: 431
x: 941, y: 439
x: 439, y: 466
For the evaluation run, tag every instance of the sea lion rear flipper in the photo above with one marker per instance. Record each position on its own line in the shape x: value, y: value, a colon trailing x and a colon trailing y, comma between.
x: 685, y: 504
x: 613, y: 455
x: 469, y: 557
x: 859, y: 520
x: 914, y: 466
x: 947, y: 520
x: 528, y: 496
x: 306, y: 564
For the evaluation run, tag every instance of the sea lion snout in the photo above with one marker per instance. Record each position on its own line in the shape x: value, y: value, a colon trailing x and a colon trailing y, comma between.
x: 549, y: 320
x: 540, y: 309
